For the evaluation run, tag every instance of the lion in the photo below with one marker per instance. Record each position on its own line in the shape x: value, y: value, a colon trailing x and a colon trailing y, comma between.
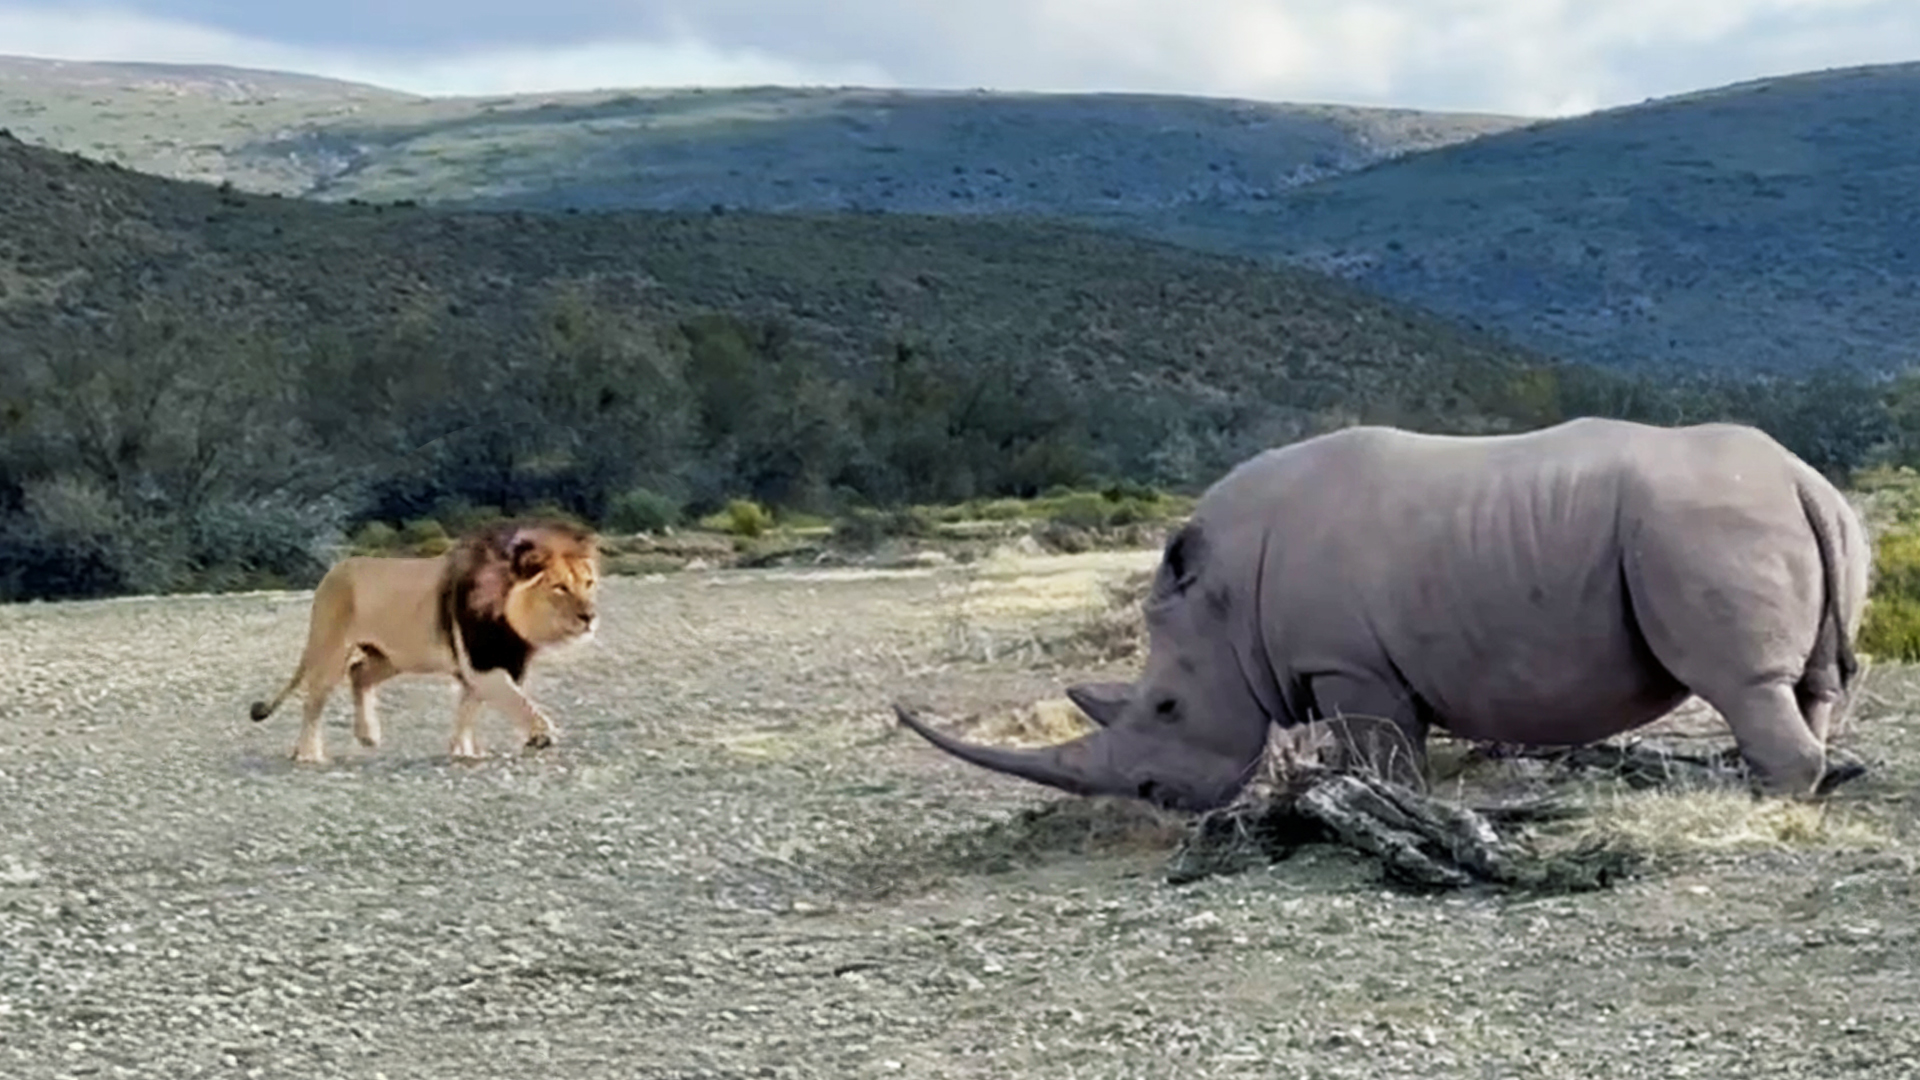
x: 478, y: 613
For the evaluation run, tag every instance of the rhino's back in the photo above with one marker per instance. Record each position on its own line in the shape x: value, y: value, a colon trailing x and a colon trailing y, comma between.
x: 1486, y: 573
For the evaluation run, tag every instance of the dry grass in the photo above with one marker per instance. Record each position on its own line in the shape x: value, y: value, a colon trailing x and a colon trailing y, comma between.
x: 1041, y: 723
x: 1672, y: 824
x: 994, y: 606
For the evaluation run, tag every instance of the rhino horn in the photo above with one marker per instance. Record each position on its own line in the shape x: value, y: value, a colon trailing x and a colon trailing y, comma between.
x: 1111, y: 761
x: 1103, y: 702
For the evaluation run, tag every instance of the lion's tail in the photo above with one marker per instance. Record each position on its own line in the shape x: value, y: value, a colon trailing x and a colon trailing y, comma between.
x: 263, y: 709
x: 332, y: 600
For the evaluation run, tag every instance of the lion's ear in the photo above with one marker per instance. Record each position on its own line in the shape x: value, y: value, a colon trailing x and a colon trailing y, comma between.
x: 526, y: 554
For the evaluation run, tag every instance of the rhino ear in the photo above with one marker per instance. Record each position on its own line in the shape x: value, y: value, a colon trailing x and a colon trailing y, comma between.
x: 1103, y: 702
x: 1180, y: 562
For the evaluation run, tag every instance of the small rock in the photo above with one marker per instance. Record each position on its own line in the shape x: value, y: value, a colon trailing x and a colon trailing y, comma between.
x: 1206, y: 920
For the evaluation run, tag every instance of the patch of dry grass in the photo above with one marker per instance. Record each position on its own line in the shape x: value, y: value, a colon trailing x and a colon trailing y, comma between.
x: 997, y: 602
x: 1041, y: 723
x: 1681, y: 822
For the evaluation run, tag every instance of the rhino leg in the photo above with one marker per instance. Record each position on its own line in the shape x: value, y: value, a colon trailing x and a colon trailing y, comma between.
x: 1774, y: 735
x: 1718, y: 594
x: 1375, y: 728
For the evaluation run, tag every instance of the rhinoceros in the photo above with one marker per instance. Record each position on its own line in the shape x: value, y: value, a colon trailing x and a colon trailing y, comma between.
x: 1548, y: 588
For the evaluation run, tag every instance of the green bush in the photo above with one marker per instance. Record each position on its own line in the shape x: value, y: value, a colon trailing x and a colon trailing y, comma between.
x: 742, y: 517
x: 460, y: 517
x: 422, y: 532
x: 259, y: 541
x: 1891, y: 628
x: 375, y: 538
x: 1081, y: 510
x: 1124, y: 491
x: 1004, y: 510
x: 642, y: 510
x: 863, y: 528
x: 553, y: 511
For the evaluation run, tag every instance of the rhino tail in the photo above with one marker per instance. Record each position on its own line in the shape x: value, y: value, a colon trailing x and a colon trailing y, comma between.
x: 1834, y: 644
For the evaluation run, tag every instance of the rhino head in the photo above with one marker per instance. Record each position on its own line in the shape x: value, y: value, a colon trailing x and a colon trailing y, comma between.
x: 1187, y: 735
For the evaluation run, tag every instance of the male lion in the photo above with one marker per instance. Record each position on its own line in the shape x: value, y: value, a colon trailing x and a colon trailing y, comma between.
x: 477, y: 613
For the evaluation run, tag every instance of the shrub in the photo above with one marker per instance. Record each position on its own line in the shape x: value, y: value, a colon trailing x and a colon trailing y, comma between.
x: 863, y: 528
x: 642, y: 510
x: 742, y: 517
x: 375, y: 538
x: 234, y: 542
x: 422, y: 532
x: 460, y: 517
x: 1891, y: 628
x: 1132, y: 510
x: 1081, y: 510
x: 1122, y: 491
x: 1003, y: 510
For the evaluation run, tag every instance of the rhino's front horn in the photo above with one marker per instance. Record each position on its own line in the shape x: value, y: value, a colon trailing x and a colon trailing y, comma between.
x: 1112, y: 761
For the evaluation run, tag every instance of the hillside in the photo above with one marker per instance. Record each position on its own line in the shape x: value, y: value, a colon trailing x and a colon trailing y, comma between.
x: 177, y: 355
x: 1766, y: 226
x: 175, y: 120
x: 1083, y: 155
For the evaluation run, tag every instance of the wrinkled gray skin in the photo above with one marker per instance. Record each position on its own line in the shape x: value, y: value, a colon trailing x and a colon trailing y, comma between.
x: 1549, y: 588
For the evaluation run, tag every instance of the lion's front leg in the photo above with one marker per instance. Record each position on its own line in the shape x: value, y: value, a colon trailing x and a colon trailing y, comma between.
x: 498, y: 689
x: 466, y: 741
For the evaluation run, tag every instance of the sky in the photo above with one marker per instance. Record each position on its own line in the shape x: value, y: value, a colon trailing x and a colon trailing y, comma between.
x: 1529, y: 57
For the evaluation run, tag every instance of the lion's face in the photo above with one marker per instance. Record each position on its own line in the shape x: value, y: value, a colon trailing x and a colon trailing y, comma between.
x: 552, y: 598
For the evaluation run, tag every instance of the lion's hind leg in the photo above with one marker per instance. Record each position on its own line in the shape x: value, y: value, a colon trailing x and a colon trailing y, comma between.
x: 366, y: 673
x: 325, y: 674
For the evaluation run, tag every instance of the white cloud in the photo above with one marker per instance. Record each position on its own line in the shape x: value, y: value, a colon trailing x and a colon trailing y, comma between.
x: 106, y: 35
x: 1537, y: 57
x: 1528, y: 56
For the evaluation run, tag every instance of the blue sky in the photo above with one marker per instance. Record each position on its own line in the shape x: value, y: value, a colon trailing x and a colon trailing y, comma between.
x: 1536, y: 57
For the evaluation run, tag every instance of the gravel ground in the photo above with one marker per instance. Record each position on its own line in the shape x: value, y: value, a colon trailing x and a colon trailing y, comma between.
x: 734, y: 865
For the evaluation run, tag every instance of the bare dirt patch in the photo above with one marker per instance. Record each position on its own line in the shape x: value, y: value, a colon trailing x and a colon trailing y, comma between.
x: 735, y: 865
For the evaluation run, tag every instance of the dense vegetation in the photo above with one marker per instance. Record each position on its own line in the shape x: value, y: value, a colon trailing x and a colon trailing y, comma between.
x: 203, y: 388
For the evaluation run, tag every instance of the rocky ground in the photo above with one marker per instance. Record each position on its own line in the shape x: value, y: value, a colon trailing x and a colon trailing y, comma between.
x: 734, y: 865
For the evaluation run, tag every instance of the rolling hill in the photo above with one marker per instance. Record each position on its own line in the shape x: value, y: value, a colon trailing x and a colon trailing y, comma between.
x: 1077, y: 155
x: 1768, y: 226
x: 179, y: 121
x: 79, y: 236
x: 1763, y: 227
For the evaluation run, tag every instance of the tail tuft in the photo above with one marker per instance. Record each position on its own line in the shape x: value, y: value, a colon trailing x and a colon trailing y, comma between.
x: 260, y: 711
